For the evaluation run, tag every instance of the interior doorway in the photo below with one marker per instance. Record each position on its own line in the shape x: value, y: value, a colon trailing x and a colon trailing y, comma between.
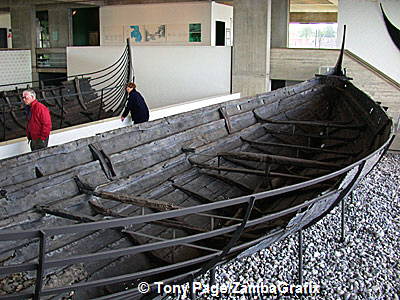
x: 3, y: 38
x: 219, y: 33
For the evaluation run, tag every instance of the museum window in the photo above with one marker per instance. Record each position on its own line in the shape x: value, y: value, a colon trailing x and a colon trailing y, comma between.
x: 195, y: 32
x: 313, y: 25
x: 319, y: 35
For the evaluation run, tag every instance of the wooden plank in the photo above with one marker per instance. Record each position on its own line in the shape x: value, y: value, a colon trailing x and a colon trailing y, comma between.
x: 228, y: 124
x: 229, y: 181
x: 300, y: 147
x: 66, y: 214
x: 277, y: 159
x: 251, y: 171
x: 193, y: 194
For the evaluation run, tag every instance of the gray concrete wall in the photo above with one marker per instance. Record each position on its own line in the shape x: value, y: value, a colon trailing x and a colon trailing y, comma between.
x: 251, y: 50
x: 23, y: 25
x: 59, y: 27
x: 279, y: 23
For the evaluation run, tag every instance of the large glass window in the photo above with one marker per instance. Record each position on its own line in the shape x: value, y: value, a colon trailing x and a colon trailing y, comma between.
x: 321, y: 35
x: 313, y: 23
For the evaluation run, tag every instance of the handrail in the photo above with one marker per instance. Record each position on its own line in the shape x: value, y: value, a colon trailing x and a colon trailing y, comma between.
x: 373, y: 69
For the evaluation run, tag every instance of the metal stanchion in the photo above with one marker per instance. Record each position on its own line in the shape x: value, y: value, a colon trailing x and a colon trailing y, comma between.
x: 300, y: 257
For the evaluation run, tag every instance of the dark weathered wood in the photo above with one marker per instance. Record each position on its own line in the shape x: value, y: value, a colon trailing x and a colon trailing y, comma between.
x: 315, y: 123
x: 12, y: 113
x: 78, y: 90
x: 228, y: 124
x: 134, y: 233
x: 193, y: 194
x: 300, y: 147
x: 127, y: 199
x: 105, y: 161
x: 167, y: 223
x: 149, y: 162
x: 251, y: 171
x: 277, y: 159
x: 314, y: 136
x: 229, y: 181
x: 66, y: 214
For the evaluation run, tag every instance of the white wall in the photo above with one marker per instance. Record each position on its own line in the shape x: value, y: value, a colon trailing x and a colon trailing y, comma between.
x: 115, y: 21
x: 165, y: 75
x: 224, y: 13
x: 62, y: 136
x: 5, y: 22
x: 367, y: 35
x: 16, y: 66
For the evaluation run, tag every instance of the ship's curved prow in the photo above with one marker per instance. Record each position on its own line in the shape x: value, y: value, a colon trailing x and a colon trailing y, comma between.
x: 338, y: 70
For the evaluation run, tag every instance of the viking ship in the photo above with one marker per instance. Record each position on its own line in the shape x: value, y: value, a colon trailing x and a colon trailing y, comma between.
x: 170, y: 199
x: 73, y: 100
x: 393, y: 31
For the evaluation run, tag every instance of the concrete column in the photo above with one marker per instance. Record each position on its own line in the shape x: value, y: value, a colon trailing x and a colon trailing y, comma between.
x: 279, y: 23
x: 23, y: 26
x: 59, y: 19
x: 252, y: 44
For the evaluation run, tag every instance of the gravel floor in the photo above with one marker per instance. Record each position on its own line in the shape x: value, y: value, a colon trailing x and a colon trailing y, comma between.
x: 365, y: 266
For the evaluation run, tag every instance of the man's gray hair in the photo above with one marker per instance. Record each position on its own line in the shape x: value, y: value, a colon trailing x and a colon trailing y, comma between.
x: 31, y: 92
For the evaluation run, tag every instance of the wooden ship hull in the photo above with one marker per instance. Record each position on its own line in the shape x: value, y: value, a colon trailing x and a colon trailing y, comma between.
x: 78, y: 99
x: 172, y: 198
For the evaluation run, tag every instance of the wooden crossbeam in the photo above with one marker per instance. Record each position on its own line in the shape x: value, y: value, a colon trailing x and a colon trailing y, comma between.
x: 168, y: 223
x: 162, y: 239
x: 193, y: 194
x: 314, y: 123
x: 250, y: 171
x: 243, y: 164
x: 229, y: 181
x: 140, y: 201
x: 315, y: 136
x: 300, y: 147
x: 66, y: 214
x: 127, y: 199
x: 277, y: 159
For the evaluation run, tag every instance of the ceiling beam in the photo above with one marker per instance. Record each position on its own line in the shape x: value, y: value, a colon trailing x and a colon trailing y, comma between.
x: 313, y: 17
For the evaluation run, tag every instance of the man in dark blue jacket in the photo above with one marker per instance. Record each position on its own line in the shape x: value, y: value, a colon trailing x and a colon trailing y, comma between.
x: 136, y: 105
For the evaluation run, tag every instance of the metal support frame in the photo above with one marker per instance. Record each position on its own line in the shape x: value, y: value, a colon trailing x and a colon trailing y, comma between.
x: 343, y: 219
x: 300, y: 257
x: 4, y: 122
x: 212, y: 276
x: 40, y: 265
x: 192, y: 293
x: 101, y: 104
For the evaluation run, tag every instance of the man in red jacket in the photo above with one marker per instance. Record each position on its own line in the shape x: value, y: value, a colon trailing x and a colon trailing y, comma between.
x: 38, y: 121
